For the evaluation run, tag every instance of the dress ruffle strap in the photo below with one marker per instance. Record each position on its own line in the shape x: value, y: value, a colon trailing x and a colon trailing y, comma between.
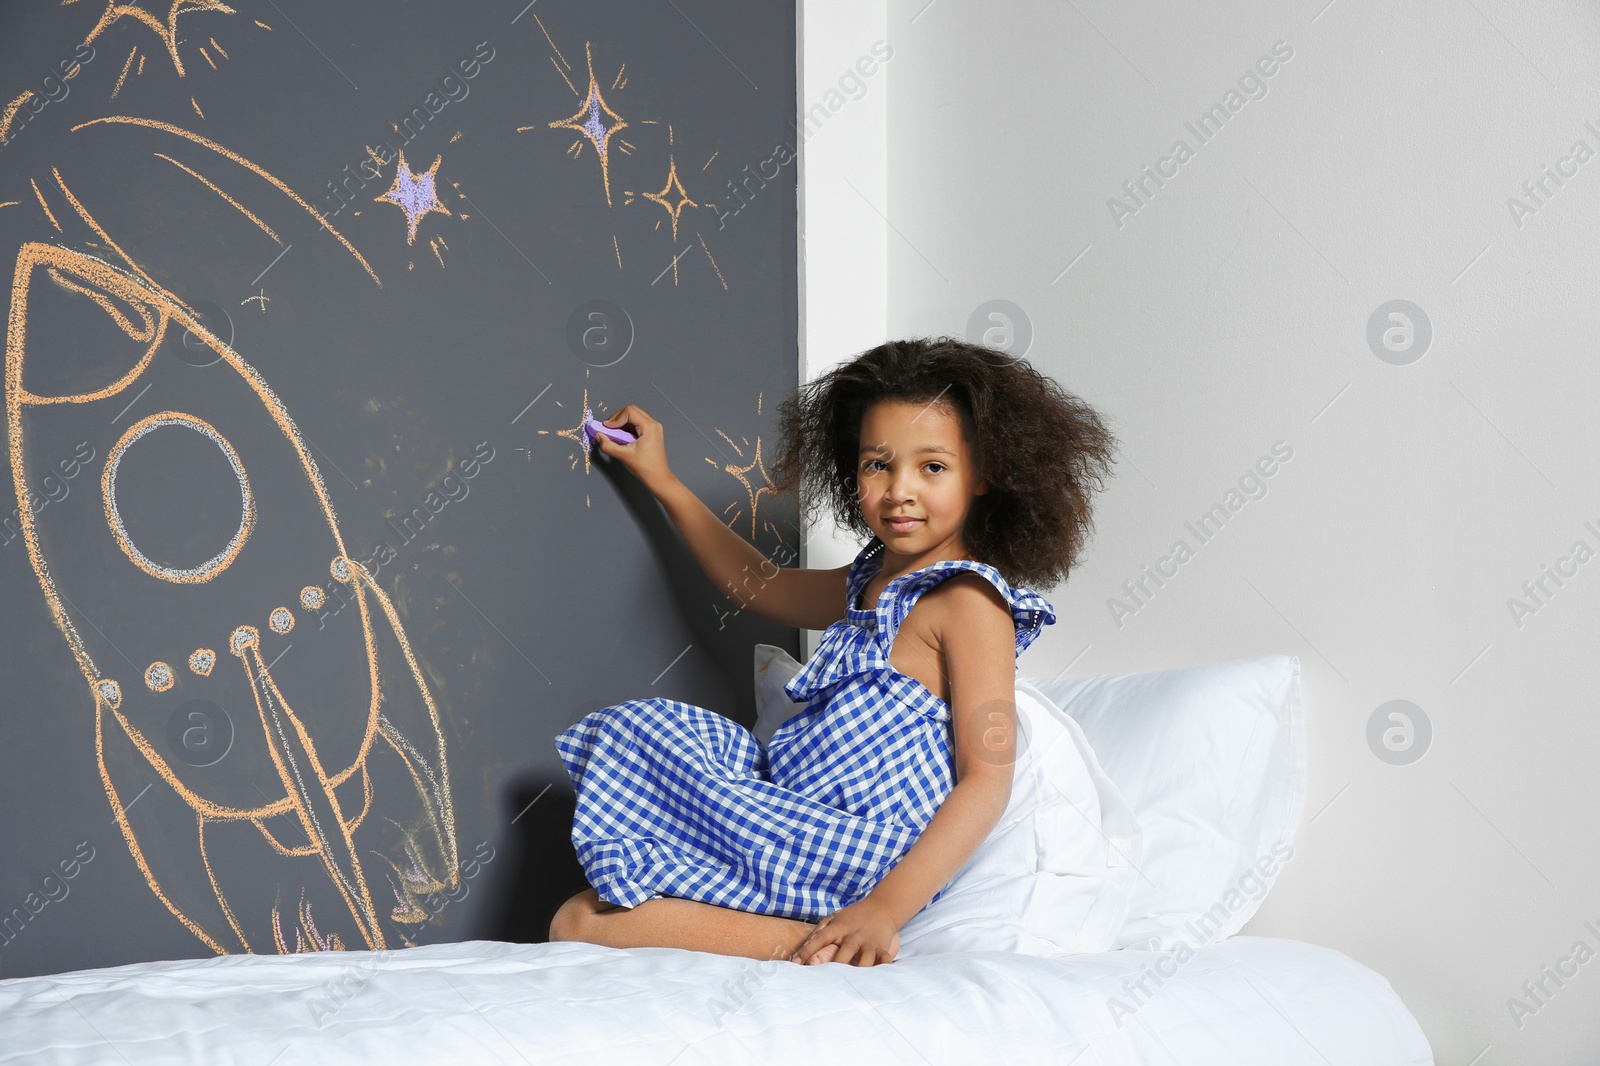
x: 1030, y: 612
x: 845, y: 651
x: 849, y: 649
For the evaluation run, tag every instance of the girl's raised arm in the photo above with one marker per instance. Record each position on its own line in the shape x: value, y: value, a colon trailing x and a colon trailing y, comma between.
x: 808, y: 599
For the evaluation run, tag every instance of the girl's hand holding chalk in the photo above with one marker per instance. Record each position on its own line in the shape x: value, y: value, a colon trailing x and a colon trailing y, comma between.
x: 644, y: 453
x: 596, y: 428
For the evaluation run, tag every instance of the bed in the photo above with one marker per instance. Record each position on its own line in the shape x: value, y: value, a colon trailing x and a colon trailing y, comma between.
x: 1248, y: 1000
x: 1099, y: 925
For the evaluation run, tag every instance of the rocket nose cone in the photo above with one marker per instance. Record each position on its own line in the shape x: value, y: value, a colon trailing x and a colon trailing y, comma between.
x: 80, y: 328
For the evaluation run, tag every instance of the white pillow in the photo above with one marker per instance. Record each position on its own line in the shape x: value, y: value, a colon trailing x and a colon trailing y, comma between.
x: 773, y: 705
x: 1212, y: 758
x: 1054, y: 876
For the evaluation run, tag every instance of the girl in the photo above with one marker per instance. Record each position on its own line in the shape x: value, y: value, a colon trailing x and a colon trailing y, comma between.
x: 968, y: 470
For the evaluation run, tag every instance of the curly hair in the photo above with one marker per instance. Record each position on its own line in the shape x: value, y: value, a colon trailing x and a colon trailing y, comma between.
x: 1038, y: 446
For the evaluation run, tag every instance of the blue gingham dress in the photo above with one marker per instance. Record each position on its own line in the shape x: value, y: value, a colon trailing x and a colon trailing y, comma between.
x: 676, y: 800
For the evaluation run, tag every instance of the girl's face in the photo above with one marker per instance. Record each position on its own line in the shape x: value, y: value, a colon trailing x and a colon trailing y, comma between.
x: 915, y: 464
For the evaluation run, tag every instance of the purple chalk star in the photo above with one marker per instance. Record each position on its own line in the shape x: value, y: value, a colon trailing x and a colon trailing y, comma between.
x: 415, y: 194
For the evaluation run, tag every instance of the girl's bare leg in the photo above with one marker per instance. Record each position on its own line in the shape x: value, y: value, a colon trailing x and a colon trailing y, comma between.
x: 668, y: 922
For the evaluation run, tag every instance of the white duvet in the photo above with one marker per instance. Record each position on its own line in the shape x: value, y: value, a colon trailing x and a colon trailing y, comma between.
x: 1243, y: 1002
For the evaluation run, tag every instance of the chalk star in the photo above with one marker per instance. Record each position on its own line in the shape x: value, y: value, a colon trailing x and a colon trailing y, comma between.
x: 415, y: 194
x: 742, y: 473
x: 261, y: 297
x: 164, y: 28
x: 674, y: 198
x: 590, y: 121
x: 578, y: 434
x: 673, y: 208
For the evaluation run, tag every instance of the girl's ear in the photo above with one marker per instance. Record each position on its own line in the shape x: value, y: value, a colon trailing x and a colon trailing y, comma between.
x: 983, y: 487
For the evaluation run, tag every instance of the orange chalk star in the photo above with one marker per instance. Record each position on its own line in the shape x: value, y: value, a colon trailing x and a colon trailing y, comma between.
x: 673, y: 204
x: 165, y: 28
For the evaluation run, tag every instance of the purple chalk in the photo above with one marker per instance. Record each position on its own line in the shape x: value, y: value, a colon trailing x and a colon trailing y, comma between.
x: 593, y: 427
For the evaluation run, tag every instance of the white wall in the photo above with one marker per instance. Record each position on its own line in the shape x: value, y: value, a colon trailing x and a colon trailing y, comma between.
x: 1229, y: 313
x: 844, y: 178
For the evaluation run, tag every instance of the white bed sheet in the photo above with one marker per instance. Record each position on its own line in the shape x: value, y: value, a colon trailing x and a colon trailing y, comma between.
x: 1245, y: 1001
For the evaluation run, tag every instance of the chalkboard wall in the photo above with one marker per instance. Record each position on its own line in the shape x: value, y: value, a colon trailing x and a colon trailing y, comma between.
x: 303, y: 563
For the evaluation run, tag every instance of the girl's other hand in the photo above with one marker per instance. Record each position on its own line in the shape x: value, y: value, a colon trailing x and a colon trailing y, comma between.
x: 646, y: 457
x: 864, y: 934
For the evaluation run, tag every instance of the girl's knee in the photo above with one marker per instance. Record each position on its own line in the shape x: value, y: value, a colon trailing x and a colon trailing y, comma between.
x: 628, y: 713
x: 570, y: 918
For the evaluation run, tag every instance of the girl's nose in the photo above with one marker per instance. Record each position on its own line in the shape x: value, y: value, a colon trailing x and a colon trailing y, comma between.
x: 900, y: 488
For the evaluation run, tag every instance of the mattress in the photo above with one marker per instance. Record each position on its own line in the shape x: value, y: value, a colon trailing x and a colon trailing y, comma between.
x: 1248, y: 1000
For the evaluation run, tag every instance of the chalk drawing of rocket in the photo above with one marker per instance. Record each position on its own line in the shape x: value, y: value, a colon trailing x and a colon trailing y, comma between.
x: 325, y: 820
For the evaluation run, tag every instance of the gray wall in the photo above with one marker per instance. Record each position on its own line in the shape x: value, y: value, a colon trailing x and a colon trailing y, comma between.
x: 181, y: 314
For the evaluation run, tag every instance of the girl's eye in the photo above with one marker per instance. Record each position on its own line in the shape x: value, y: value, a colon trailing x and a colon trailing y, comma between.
x: 868, y: 465
x: 939, y: 465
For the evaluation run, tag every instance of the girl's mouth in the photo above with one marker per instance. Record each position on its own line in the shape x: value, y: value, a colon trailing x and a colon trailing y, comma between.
x: 901, y: 525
